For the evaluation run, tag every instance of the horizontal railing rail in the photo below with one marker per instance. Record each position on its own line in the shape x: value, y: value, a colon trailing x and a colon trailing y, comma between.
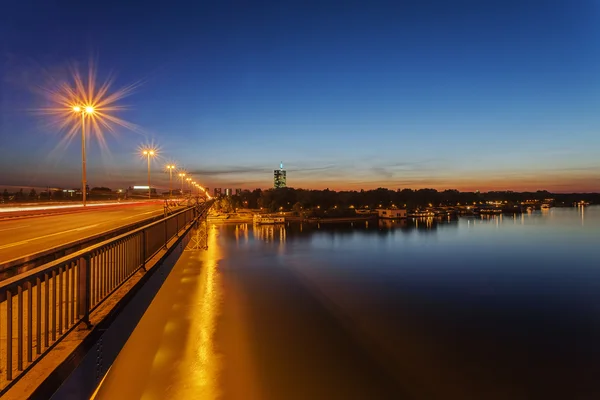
x: 39, y: 307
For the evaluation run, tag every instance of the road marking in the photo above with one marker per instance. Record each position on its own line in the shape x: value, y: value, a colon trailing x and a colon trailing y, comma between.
x: 16, y: 227
x: 137, y: 215
x: 6, y: 246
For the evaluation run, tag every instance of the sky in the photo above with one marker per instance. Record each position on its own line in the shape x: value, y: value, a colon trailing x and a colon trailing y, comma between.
x: 468, y: 95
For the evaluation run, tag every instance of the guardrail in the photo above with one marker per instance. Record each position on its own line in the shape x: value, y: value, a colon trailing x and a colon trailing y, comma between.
x: 39, y: 307
x: 27, y: 262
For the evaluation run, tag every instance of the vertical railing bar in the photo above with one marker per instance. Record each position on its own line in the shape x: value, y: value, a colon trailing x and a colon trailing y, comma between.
x: 20, y: 327
x: 143, y: 253
x: 102, y: 276
x: 106, y: 279
x: 110, y: 269
x: 92, y: 278
x: 116, y: 264
x: 113, y: 265
x: 96, y: 279
x: 74, y: 298
x: 76, y: 283
x: 140, y: 251
x: 122, y: 266
x: 9, y: 334
x: 121, y: 276
x: 53, y: 305
x: 105, y: 273
x: 47, y: 310
x: 60, y: 299
x: 30, y: 322
x: 38, y: 314
x: 68, y: 271
x: 132, y: 256
x: 123, y: 269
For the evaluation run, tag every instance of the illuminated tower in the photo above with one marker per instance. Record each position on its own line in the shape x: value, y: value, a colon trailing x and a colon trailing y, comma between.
x: 279, y: 178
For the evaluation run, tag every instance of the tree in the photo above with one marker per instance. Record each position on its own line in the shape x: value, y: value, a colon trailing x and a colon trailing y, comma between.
x: 297, y: 208
x: 32, y: 194
x: 101, y: 189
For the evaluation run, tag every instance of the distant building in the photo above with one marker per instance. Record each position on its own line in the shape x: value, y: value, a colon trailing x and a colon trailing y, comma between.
x: 279, y: 177
x: 142, y: 190
x: 217, y: 192
x: 391, y: 213
x: 238, y: 192
x: 228, y: 192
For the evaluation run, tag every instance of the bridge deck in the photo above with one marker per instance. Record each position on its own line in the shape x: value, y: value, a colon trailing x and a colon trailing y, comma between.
x: 216, y: 330
x: 27, y: 236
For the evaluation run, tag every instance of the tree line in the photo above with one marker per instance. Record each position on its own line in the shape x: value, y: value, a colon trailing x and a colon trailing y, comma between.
x: 23, y: 195
x: 290, y: 199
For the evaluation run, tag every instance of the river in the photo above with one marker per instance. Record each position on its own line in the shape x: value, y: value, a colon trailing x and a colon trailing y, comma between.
x: 483, y: 307
x: 501, y: 307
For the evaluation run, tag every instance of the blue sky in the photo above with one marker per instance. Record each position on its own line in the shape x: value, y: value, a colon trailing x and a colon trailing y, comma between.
x: 465, y: 94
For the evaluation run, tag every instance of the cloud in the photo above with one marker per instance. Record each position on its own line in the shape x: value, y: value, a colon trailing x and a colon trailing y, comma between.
x: 230, y: 170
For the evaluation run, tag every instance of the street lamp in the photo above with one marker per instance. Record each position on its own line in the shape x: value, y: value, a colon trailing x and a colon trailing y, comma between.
x: 170, y: 168
x: 182, y: 176
x: 149, y: 153
x: 86, y: 110
x: 189, y: 180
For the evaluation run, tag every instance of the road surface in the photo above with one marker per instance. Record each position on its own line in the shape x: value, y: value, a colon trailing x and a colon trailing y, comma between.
x: 25, y: 236
x: 217, y: 329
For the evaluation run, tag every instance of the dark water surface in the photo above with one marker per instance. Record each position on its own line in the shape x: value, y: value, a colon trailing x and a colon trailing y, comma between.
x: 503, y: 307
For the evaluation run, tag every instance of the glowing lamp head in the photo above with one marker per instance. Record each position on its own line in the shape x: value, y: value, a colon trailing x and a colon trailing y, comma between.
x: 76, y: 109
x: 89, y: 110
x: 145, y: 152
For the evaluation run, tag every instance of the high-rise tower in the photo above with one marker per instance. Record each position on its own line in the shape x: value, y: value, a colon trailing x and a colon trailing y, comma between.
x: 279, y: 178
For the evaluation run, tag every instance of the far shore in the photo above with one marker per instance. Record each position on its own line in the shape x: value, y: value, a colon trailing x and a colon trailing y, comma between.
x: 234, y: 218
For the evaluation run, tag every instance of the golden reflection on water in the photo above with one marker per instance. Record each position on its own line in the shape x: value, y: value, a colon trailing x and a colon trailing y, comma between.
x: 270, y: 233
x: 201, y: 358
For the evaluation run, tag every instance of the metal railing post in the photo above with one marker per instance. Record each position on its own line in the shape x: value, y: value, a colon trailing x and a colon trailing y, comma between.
x: 84, y: 289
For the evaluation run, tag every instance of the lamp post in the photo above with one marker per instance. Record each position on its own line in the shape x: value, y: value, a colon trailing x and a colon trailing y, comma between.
x: 170, y: 167
x: 182, y: 176
x: 189, y: 180
x: 86, y: 110
x: 149, y: 153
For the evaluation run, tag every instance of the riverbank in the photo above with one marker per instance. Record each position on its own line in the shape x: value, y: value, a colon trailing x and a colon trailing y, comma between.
x: 236, y: 218
x: 331, y: 220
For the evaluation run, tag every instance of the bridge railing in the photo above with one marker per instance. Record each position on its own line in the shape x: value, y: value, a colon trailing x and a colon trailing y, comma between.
x: 39, y: 307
